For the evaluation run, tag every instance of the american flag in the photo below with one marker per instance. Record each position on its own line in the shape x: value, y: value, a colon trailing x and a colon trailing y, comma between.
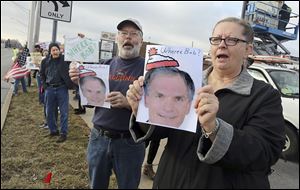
x: 17, y: 72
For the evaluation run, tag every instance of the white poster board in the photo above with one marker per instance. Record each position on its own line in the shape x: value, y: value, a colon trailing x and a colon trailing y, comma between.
x: 81, y: 49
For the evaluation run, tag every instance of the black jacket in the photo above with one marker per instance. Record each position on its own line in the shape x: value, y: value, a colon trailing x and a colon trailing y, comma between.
x: 248, y: 142
x: 63, y: 71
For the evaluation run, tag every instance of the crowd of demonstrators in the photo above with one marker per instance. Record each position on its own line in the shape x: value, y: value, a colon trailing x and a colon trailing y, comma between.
x: 111, y: 145
x: 56, y: 82
x: 240, y: 131
x: 234, y: 146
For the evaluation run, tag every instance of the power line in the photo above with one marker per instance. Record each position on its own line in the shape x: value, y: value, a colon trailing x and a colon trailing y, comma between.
x: 21, y: 7
x: 24, y: 24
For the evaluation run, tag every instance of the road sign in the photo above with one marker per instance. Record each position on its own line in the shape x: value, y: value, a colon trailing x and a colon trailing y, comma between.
x: 57, y: 10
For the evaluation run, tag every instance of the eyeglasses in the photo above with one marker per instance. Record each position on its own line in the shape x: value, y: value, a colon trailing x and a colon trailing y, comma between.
x: 125, y: 33
x: 228, y: 41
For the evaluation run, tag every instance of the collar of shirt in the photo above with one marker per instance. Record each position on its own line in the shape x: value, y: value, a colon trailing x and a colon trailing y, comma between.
x: 242, y: 85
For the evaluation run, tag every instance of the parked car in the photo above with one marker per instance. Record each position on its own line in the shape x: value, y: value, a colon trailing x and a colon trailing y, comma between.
x: 286, y: 81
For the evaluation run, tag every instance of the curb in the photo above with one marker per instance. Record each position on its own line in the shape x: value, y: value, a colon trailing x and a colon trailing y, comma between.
x: 5, y: 107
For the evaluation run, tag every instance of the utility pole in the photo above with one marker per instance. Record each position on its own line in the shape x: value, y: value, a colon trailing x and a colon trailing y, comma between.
x: 244, y: 8
x: 34, y: 25
x: 30, y: 27
x: 37, y: 23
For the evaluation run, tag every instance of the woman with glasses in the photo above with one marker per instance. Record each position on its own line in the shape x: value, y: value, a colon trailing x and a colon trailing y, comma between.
x: 240, y: 132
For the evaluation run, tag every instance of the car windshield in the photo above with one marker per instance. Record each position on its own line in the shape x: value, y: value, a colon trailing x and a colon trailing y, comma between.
x: 287, y: 82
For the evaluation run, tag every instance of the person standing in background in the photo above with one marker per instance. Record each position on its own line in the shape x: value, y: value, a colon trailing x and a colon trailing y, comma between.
x: 56, y: 81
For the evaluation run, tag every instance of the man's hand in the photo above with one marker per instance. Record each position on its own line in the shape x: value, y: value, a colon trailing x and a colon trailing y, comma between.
x: 117, y: 100
x: 74, y: 72
x: 135, y: 93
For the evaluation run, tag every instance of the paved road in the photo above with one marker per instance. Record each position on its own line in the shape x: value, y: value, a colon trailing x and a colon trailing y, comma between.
x: 6, y: 55
x: 285, y: 175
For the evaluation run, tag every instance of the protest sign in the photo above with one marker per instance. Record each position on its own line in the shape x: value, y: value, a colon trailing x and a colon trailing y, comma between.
x: 81, y: 49
x: 94, y: 84
x: 172, y: 76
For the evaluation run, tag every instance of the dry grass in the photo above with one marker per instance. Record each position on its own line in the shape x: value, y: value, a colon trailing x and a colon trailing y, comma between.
x: 27, y: 155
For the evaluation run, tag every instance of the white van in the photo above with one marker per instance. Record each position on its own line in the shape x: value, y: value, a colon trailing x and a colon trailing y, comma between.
x: 286, y: 81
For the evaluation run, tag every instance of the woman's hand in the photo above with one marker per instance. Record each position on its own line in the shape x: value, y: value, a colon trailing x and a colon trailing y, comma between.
x: 207, y: 106
x: 135, y: 93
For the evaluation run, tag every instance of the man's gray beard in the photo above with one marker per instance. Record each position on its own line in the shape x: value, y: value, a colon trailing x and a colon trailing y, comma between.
x: 129, y: 54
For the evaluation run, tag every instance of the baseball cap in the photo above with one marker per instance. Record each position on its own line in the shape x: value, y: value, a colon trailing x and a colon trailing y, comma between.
x: 130, y: 21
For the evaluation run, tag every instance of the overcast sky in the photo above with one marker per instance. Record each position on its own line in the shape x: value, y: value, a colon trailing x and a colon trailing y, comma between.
x: 169, y: 23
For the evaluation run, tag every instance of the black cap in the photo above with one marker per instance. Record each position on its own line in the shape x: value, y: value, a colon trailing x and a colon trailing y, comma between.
x: 53, y: 44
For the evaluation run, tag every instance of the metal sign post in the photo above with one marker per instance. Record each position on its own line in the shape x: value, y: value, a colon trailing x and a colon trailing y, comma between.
x: 57, y: 11
x: 54, y: 31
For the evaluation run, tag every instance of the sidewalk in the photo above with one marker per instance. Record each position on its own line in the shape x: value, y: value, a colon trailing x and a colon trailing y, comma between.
x: 145, y: 183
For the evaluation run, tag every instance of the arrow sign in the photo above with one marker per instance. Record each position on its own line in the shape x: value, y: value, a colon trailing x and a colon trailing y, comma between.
x: 64, y: 3
x: 57, y: 10
x: 55, y: 5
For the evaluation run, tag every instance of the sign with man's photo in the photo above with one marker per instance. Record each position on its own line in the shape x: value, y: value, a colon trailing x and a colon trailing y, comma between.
x: 94, y: 84
x: 171, y: 77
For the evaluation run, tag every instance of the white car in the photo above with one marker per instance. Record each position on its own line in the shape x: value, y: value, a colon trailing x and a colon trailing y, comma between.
x: 286, y: 81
